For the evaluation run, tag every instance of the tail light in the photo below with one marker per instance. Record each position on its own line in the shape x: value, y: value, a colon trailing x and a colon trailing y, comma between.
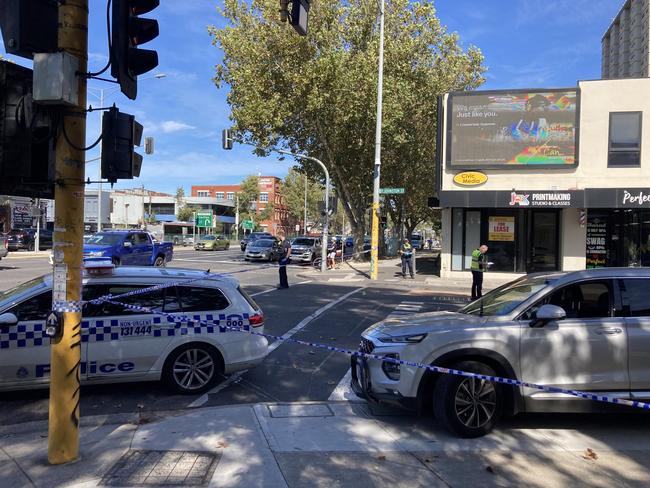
x: 256, y: 320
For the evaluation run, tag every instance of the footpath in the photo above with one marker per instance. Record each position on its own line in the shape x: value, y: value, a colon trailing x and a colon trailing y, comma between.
x: 330, y: 444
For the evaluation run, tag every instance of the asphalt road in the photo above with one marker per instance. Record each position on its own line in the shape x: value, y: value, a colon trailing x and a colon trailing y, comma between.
x: 329, y: 313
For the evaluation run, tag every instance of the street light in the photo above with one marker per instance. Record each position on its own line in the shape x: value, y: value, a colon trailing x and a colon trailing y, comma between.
x: 102, y: 93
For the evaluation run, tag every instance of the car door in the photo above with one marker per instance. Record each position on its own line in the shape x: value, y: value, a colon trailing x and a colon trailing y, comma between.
x: 143, y: 249
x: 123, y: 342
x: 24, y: 347
x: 585, y: 351
x: 636, y: 310
x: 127, y: 252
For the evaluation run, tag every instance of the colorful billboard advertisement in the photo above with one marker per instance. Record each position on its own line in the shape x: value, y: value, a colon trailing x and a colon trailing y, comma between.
x: 512, y: 129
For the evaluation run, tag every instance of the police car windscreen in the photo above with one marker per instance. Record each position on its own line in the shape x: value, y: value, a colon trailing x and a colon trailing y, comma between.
x: 9, y: 294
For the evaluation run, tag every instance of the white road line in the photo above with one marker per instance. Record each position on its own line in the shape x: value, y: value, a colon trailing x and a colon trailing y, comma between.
x: 203, y: 399
x: 343, y: 391
x: 304, y: 322
x: 274, y: 288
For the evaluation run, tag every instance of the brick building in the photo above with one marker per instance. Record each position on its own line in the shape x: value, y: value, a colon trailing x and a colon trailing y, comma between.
x: 270, y: 192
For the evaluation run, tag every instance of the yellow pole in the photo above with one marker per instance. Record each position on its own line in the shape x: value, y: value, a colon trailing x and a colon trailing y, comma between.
x: 63, y: 439
x: 374, y: 242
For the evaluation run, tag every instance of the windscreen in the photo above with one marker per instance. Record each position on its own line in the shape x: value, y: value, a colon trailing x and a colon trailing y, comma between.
x: 506, y: 298
x: 301, y: 241
x: 102, y: 239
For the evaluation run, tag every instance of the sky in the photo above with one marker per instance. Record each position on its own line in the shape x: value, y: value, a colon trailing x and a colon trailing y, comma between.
x: 526, y: 44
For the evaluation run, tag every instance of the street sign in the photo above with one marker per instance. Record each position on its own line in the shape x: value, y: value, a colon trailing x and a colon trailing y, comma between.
x: 391, y: 191
x: 248, y: 224
x: 204, y: 220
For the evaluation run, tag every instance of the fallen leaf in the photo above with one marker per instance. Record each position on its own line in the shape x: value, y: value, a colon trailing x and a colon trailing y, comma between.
x: 489, y: 469
x: 381, y: 458
x: 590, y: 454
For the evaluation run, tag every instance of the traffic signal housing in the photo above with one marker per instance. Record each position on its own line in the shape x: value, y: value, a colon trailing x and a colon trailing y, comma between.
x: 129, y: 31
x: 227, y: 139
x: 120, y: 133
x: 26, y: 137
x: 29, y: 26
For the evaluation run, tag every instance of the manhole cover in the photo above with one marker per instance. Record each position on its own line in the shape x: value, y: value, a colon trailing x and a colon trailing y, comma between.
x: 158, y: 468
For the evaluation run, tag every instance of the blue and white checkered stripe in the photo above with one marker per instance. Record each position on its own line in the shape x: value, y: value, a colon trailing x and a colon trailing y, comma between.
x: 25, y: 335
x: 433, y: 368
x: 67, y: 306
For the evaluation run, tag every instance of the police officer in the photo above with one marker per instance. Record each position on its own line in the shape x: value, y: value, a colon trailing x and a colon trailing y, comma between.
x: 285, y: 252
x: 479, y: 266
x: 406, y: 252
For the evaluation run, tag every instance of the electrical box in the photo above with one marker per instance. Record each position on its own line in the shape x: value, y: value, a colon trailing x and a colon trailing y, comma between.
x: 56, y: 81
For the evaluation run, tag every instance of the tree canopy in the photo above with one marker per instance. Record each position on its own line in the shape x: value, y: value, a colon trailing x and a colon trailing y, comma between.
x: 317, y: 94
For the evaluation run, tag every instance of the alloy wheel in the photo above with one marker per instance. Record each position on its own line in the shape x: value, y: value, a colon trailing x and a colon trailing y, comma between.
x: 475, y: 402
x: 193, y: 369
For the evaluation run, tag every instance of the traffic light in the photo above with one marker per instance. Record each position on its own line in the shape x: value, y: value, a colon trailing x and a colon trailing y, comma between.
x: 120, y: 132
x: 26, y: 137
x: 29, y: 26
x: 299, y: 16
x: 227, y: 139
x: 129, y: 32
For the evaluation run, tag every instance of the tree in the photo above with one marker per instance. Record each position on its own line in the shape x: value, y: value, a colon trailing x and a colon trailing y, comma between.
x: 293, y: 190
x: 249, y: 194
x: 317, y: 94
x: 185, y: 213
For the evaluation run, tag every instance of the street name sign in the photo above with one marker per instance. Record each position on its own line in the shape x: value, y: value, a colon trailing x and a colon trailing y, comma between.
x: 391, y: 191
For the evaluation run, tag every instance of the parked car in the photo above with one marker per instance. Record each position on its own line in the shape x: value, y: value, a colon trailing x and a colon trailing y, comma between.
x: 126, y: 247
x: 122, y: 345
x: 26, y: 239
x: 305, y: 249
x: 262, y: 249
x: 417, y: 242
x: 583, y: 330
x: 212, y: 243
x: 4, y: 246
x: 349, y: 245
x: 254, y: 236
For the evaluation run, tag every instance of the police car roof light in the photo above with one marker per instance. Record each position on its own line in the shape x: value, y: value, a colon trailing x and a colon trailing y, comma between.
x: 98, y: 267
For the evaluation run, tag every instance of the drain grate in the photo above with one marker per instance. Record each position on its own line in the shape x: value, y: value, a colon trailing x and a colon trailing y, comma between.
x: 162, y: 468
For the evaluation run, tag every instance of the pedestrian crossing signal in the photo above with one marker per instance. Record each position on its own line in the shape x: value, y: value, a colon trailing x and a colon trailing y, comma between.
x: 226, y: 139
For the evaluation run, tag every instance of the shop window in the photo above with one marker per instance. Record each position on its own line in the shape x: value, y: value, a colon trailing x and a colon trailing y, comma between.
x: 472, y: 235
x: 624, y: 139
x: 457, y: 239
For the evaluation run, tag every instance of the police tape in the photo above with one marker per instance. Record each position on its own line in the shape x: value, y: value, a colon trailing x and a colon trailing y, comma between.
x: 401, y: 362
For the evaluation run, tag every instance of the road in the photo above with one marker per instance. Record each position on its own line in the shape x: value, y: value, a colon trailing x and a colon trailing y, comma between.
x: 329, y: 313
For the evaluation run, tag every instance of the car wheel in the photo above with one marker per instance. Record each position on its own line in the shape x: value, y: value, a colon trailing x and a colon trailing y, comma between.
x: 227, y: 245
x: 468, y: 407
x: 159, y: 262
x: 192, y: 369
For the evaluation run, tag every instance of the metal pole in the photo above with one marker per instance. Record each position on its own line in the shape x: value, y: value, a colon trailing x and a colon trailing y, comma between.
x: 374, y: 251
x: 237, y: 219
x: 37, y: 239
x: 144, y: 225
x: 305, y: 221
x: 65, y: 351
x: 99, y: 170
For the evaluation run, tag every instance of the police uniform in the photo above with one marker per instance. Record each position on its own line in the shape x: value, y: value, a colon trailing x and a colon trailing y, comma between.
x: 407, y: 258
x: 478, y: 267
x: 284, y: 261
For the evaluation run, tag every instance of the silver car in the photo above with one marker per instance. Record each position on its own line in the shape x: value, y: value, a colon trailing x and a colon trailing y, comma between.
x: 4, y: 246
x: 262, y: 250
x: 583, y: 330
x: 305, y: 249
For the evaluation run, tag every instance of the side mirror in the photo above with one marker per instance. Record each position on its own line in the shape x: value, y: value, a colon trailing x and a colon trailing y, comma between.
x: 8, y: 319
x: 128, y: 244
x: 548, y: 313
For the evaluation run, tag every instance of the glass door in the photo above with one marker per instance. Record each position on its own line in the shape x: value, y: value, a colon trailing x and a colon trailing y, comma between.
x: 543, y: 252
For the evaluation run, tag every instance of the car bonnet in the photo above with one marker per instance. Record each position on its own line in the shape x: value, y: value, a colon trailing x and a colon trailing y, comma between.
x: 423, y: 323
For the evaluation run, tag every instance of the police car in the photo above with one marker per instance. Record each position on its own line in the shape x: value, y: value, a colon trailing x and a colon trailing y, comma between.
x: 120, y: 344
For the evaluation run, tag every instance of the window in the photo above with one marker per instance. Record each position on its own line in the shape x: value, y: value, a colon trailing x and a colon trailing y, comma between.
x: 36, y: 308
x: 142, y: 239
x: 635, y: 298
x: 164, y: 300
x: 624, y: 139
x: 264, y: 196
x: 583, y: 300
x: 203, y: 193
x: 195, y: 299
x: 230, y: 195
x: 220, y: 195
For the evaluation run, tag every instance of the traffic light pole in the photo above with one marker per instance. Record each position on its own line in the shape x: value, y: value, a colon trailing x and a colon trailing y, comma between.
x: 63, y: 438
x: 374, y: 250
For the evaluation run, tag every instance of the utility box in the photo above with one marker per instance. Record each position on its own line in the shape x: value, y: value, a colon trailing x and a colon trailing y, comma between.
x: 56, y: 81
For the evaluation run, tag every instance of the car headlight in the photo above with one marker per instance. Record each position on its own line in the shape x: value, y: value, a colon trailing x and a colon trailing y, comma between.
x: 96, y: 254
x: 404, y: 339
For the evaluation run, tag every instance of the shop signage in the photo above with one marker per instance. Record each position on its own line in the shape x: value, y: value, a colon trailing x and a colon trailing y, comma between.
x: 540, y: 199
x: 512, y: 199
x: 596, y: 243
x: 501, y: 229
x: 617, y: 198
x: 470, y: 178
x: 21, y: 216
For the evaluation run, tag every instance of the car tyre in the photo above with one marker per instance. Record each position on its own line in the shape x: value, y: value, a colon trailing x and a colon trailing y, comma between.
x: 159, y: 262
x: 193, y: 369
x: 466, y: 406
x: 227, y: 246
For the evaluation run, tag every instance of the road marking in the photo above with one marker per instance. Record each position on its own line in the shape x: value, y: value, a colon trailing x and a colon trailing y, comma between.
x: 304, y: 322
x: 203, y: 399
x: 275, y: 288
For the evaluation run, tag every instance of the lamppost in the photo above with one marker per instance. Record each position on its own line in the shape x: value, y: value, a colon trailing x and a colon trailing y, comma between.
x: 103, y: 92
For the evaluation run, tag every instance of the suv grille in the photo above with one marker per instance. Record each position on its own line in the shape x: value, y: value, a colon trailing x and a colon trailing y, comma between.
x: 366, y: 346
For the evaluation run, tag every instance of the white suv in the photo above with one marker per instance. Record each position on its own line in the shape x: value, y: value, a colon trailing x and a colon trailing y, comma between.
x: 584, y: 330
x: 122, y: 345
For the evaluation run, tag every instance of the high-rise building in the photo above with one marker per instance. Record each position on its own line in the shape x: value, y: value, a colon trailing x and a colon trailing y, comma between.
x: 625, y: 52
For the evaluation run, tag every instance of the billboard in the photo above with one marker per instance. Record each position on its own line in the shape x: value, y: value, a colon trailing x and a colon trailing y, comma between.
x: 512, y: 129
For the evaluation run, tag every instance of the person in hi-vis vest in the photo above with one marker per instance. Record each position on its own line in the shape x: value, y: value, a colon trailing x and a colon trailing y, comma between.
x: 479, y: 266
